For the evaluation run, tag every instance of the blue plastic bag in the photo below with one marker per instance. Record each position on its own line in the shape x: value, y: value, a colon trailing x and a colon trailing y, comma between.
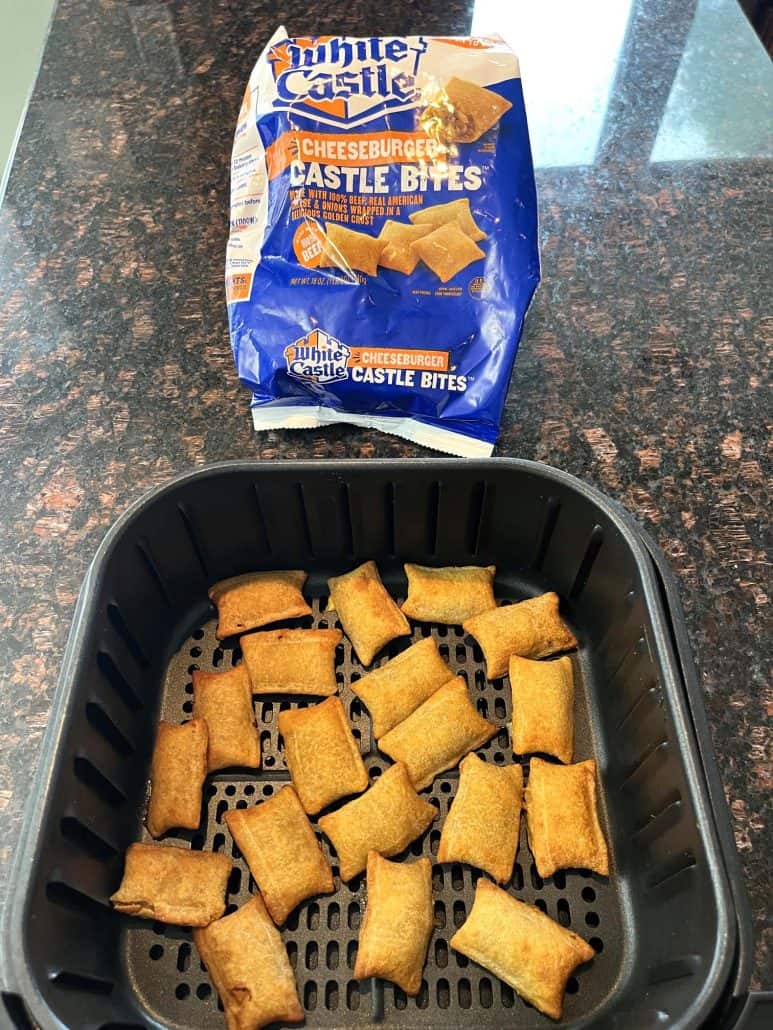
x: 383, y: 243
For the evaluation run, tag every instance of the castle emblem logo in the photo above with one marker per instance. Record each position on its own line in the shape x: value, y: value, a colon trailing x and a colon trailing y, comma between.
x: 318, y: 358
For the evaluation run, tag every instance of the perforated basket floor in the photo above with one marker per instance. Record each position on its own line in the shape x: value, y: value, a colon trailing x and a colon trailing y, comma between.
x: 321, y: 935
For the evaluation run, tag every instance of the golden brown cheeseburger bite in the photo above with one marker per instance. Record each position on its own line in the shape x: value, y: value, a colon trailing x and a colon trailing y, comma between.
x: 449, y: 595
x: 543, y: 707
x: 177, y: 773
x: 368, y: 614
x: 224, y: 701
x: 248, y: 965
x: 386, y: 818
x: 562, y: 818
x: 282, y: 851
x: 398, y: 922
x: 257, y: 599
x: 522, y: 946
x: 531, y: 629
x: 438, y: 734
x: 173, y: 885
x: 483, y: 823
x: 398, y: 237
x: 396, y: 689
x: 292, y: 661
x: 321, y: 754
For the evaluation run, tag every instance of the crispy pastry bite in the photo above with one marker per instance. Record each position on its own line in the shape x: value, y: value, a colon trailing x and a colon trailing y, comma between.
x: 368, y: 614
x: 248, y: 965
x: 177, y: 773
x: 454, y: 211
x: 448, y: 595
x: 321, y: 754
x: 292, y: 661
x: 398, y: 237
x: 438, y: 734
x: 173, y: 885
x: 483, y: 823
x: 476, y: 108
x: 543, y: 707
x: 282, y: 851
x: 447, y: 250
x: 224, y: 701
x: 398, y: 922
x: 386, y: 818
x: 522, y: 946
x: 257, y: 599
x: 562, y: 818
x: 396, y: 689
x: 530, y: 629
x: 347, y: 248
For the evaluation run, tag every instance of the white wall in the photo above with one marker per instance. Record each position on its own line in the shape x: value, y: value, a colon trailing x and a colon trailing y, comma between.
x: 23, y: 29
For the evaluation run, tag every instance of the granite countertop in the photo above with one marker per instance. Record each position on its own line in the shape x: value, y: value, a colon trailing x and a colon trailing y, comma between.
x: 644, y: 366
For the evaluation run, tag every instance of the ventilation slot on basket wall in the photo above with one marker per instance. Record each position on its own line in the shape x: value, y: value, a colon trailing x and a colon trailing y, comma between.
x: 85, y: 839
x: 346, y: 516
x: 99, y: 720
x: 304, y: 521
x: 587, y: 563
x: 676, y: 969
x: 550, y: 518
x: 117, y: 621
x: 79, y: 982
x: 310, y: 996
x: 647, y: 693
x: 118, y: 682
x: 265, y: 540
x: 149, y: 562
x: 331, y: 996
x: 433, y: 506
x: 91, y: 777
x: 668, y: 816
x: 74, y: 900
x: 193, y: 540
x: 652, y: 751
x: 476, y: 518
x: 353, y: 995
x: 183, y: 957
x: 670, y: 869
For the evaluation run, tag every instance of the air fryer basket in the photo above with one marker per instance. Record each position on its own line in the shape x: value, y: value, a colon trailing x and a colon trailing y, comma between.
x: 663, y: 925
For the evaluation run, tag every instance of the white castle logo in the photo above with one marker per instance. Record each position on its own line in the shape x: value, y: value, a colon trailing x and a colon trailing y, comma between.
x: 343, y: 81
x: 318, y: 358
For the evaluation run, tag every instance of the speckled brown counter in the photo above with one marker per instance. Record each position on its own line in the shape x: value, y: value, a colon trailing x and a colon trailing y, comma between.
x: 644, y: 366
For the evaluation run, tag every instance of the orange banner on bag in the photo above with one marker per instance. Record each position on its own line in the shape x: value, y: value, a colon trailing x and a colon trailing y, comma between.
x: 237, y: 287
x: 390, y: 357
x: 350, y: 150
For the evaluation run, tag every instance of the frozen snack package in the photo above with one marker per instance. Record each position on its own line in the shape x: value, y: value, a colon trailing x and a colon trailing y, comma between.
x: 383, y: 236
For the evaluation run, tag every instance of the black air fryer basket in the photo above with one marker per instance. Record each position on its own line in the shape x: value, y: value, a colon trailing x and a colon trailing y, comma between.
x: 669, y: 927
